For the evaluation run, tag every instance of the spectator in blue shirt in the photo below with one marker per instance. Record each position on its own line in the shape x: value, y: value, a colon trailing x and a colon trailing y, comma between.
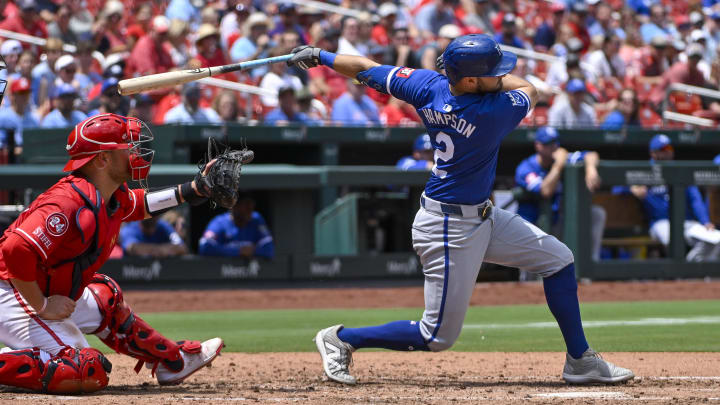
x: 64, y: 115
x: 189, y: 111
x: 184, y: 10
x: 508, y: 36
x: 547, y: 31
x: 151, y: 237
x: 254, y: 44
x: 717, y: 160
x: 355, y: 107
x: 288, y: 21
x: 43, y: 74
x: 287, y: 111
x: 656, y: 201
x: 658, y: 24
x: 626, y: 114
x: 432, y: 16
x: 540, y: 176
x: 240, y: 232
x: 18, y: 115
x: 422, y: 157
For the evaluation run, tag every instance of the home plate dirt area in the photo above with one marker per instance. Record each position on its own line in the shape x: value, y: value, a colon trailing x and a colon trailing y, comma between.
x: 412, y: 378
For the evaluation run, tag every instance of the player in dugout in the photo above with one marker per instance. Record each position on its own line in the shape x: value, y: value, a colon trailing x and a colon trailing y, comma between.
x: 240, y: 232
x: 51, y: 293
x: 540, y: 175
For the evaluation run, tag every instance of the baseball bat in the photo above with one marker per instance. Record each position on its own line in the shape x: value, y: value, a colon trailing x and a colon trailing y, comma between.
x: 150, y: 82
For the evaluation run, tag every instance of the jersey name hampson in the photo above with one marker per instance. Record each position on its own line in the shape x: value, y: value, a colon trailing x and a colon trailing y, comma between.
x: 460, y: 125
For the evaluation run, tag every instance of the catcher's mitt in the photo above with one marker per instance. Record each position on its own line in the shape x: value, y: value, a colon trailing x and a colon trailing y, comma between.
x: 220, y: 184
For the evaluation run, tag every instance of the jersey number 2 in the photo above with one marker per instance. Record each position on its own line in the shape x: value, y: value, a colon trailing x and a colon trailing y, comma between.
x: 446, y: 155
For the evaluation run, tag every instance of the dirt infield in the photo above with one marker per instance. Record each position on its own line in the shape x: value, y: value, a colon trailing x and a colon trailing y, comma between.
x: 395, y: 377
x: 436, y: 378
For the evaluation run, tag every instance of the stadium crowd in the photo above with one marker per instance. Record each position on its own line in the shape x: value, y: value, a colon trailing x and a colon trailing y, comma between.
x: 611, y: 64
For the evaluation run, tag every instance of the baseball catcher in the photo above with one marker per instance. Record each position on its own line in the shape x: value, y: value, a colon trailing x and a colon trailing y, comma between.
x: 51, y: 293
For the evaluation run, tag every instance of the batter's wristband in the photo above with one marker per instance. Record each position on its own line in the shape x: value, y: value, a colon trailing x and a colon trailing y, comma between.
x: 189, y: 195
x: 43, y: 307
x: 327, y: 58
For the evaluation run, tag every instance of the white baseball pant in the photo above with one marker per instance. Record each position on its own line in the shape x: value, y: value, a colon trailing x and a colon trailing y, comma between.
x: 452, y: 247
x: 700, y: 251
x: 21, y: 328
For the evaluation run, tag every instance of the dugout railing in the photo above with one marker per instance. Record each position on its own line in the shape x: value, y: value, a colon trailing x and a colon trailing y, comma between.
x: 676, y: 175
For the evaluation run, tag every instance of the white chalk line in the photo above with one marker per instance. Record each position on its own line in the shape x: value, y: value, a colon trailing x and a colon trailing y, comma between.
x: 601, y: 324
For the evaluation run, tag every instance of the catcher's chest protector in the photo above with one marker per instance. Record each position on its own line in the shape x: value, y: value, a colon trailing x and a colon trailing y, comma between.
x: 87, y: 258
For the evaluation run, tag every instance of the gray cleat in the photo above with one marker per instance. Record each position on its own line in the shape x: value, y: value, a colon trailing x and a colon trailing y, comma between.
x: 591, y: 368
x: 336, y: 355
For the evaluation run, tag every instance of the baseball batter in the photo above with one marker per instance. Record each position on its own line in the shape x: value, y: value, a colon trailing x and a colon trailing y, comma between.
x: 50, y: 293
x: 467, y: 113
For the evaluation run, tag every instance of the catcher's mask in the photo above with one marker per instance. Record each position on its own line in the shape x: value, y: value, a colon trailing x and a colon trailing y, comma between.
x: 3, y: 82
x: 111, y: 132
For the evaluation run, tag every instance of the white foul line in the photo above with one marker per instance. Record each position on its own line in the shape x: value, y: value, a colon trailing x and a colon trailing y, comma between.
x: 600, y: 324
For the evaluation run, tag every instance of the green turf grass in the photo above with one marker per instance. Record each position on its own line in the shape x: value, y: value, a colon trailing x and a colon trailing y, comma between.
x: 495, y: 328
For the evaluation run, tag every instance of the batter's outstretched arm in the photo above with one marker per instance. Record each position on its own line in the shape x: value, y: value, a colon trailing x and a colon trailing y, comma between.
x: 307, y: 57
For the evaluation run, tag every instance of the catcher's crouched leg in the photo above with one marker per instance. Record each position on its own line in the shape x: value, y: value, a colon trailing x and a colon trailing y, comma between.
x: 72, y: 371
x: 127, y: 333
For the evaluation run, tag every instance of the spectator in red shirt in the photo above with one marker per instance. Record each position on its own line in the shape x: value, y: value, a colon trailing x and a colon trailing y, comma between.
x: 381, y: 31
x: 26, y: 21
x: 326, y: 83
x: 578, y: 23
x: 398, y: 113
x: 149, y: 55
x: 207, y: 44
x: 110, y: 26
x: 681, y: 72
x: 142, y: 25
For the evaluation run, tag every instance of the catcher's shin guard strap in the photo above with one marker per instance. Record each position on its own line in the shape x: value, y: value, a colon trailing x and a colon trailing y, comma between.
x: 127, y: 333
x: 189, y: 194
x: 157, y: 202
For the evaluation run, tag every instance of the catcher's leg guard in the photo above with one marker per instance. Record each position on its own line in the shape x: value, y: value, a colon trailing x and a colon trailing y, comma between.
x: 72, y: 371
x: 127, y: 333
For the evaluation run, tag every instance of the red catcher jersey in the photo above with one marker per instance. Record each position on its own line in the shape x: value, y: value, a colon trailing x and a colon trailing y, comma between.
x: 59, y: 228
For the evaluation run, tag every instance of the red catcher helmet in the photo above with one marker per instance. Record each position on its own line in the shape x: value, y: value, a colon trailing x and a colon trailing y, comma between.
x: 111, y: 132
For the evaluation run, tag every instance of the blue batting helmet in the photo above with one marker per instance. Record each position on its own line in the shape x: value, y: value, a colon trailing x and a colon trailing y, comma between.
x: 476, y: 55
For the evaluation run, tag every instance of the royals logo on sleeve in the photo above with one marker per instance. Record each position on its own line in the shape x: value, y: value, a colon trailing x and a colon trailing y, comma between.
x: 56, y: 224
x: 517, y: 100
x: 405, y: 72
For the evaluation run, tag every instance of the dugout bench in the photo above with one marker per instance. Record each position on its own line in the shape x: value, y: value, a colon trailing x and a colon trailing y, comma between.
x: 677, y: 175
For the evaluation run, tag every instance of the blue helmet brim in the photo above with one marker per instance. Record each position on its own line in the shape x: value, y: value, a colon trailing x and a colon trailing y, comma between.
x: 505, y: 66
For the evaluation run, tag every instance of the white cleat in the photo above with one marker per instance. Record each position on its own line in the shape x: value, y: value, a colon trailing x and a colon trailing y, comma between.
x: 336, y: 355
x: 591, y: 368
x: 193, y: 362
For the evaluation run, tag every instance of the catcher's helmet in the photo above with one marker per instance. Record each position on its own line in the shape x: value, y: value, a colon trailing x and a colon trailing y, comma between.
x: 110, y: 132
x: 476, y: 55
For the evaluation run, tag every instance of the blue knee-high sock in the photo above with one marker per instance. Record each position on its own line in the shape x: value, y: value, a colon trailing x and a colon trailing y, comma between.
x: 398, y: 335
x: 561, y: 296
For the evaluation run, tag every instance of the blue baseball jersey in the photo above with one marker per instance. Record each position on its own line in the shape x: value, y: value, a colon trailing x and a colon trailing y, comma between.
x: 530, y: 175
x: 164, y: 233
x: 223, y: 238
x: 465, y: 130
x: 657, y: 203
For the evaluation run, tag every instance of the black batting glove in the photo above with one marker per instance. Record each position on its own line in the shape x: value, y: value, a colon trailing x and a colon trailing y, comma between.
x: 305, y: 57
x: 440, y: 63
